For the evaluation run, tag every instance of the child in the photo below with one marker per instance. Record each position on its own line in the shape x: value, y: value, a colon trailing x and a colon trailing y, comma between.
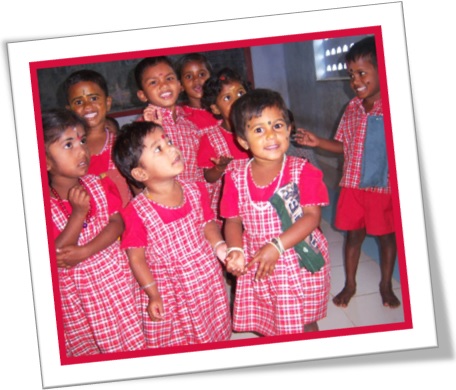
x: 363, y: 208
x: 112, y: 125
x: 193, y: 70
x: 218, y: 147
x: 172, y: 242
x: 272, y: 205
x: 159, y: 87
x: 95, y: 283
x: 87, y: 95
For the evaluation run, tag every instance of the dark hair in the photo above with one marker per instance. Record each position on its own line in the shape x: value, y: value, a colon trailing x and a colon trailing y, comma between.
x: 365, y: 48
x: 128, y: 148
x: 85, y: 75
x: 57, y: 121
x: 214, y: 84
x: 192, y: 57
x: 147, y: 62
x: 252, y: 105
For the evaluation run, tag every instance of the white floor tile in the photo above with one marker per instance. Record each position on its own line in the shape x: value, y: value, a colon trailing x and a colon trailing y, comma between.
x: 368, y: 310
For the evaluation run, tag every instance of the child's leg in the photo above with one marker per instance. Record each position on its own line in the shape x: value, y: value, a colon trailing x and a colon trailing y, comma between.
x: 353, y: 244
x: 312, y: 327
x: 387, y: 260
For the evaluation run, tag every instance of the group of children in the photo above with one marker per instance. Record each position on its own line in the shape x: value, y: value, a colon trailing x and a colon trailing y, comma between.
x: 147, y: 218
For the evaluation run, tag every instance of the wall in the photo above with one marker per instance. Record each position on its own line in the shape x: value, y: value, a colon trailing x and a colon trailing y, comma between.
x: 316, y: 105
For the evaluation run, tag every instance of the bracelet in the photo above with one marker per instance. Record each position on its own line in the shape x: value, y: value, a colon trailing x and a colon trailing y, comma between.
x: 217, y: 245
x: 234, y: 249
x: 277, y: 244
x: 148, y: 285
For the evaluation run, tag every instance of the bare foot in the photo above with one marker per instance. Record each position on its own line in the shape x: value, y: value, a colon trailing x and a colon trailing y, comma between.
x: 388, y: 297
x: 344, y: 296
x: 312, y: 327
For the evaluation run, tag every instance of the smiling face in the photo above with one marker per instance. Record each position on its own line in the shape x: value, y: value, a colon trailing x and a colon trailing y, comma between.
x: 228, y: 95
x: 364, y: 80
x: 267, y: 136
x: 89, y: 101
x: 193, y: 76
x: 68, y: 157
x: 160, y: 86
x: 160, y: 159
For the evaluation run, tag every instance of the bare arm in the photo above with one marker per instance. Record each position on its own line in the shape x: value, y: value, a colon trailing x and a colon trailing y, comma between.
x: 307, y: 138
x: 72, y: 254
x: 144, y: 277
x: 213, y: 174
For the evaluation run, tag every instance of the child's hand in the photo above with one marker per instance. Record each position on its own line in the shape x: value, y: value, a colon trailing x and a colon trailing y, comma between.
x: 79, y: 200
x: 267, y: 257
x: 220, y: 252
x: 153, y: 114
x: 235, y: 263
x: 221, y: 162
x: 70, y: 255
x: 155, y: 308
x: 306, y: 138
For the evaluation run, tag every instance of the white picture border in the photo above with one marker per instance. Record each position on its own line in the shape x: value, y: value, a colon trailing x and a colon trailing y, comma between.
x: 390, y: 18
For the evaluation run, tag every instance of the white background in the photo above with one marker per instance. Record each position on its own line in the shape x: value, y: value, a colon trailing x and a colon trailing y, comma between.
x: 431, y: 88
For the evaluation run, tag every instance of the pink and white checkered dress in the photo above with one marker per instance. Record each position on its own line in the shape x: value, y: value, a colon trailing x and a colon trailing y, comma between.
x: 185, y: 135
x: 292, y: 296
x: 221, y: 147
x: 188, y: 275
x: 98, y: 307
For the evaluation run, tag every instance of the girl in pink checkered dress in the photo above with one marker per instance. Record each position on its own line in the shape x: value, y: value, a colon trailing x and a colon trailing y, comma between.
x: 172, y: 242
x: 159, y: 87
x: 95, y: 283
x: 193, y: 69
x: 218, y: 148
x: 272, y: 205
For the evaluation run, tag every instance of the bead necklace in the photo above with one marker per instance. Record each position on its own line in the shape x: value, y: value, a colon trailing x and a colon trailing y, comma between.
x: 254, y: 204
x: 65, y: 210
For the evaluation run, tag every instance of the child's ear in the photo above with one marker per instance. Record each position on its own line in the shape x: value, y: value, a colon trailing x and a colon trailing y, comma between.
x: 108, y: 103
x: 243, y: 143
x: 215, y: 109
x: 139, y: 174
x: 48, y: 164
x: 141, y: 96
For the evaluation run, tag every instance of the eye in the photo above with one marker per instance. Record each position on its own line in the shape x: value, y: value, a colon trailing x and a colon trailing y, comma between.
x: 170, y: 78
x: 169, y: 142
x: 94, y: 98
x: 77, y: 102
x: 68, y: 145
x: 258, y: 130
x: 278, y: 126
x: 83, y: 140
x: 241, y: 92
x: 188, y: 77
x: 203, y: 75
x: 226, y: 98
x: 158, y: 149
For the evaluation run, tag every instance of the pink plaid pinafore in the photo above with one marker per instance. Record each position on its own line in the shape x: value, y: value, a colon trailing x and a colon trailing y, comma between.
x: 185, y: 135
x: 220, y: 146
x: 97, y: 300
x: 292, y: 296
x: 188, y: 275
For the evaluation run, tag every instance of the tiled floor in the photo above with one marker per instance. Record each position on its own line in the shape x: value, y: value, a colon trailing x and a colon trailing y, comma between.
x: 365, y: 308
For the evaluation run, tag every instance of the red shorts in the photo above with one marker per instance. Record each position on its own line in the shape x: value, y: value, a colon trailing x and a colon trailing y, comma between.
x: 358, y: 209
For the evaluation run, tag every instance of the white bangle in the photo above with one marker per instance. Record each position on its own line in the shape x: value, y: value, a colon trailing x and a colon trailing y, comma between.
x: 217, y: 245
x: 148, y: 285
x: 234, y: 249
x: 277, y: 244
